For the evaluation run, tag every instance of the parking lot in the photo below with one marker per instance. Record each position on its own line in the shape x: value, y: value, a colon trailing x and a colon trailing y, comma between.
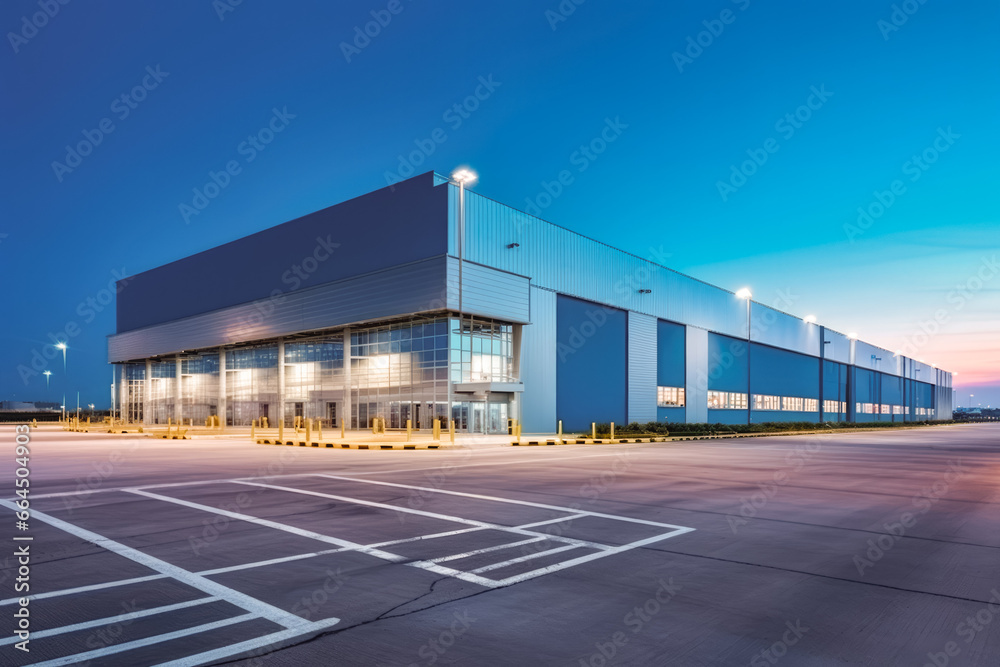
x: 869, y: 548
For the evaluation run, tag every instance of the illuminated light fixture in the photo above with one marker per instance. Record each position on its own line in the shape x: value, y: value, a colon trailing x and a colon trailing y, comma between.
x: 897, y: 353
x: 744, y: 293
x: 61, y: 346
x: 852, y: 336
x: 811, y: 319
x: 464, y: 176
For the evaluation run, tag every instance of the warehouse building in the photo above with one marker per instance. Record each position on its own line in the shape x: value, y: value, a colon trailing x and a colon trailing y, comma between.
x: 424, y: 300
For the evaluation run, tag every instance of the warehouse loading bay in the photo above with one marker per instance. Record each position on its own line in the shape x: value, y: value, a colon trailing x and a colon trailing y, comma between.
x: 866, y: 548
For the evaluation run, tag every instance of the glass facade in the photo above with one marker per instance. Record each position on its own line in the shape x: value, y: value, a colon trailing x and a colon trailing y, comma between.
x: 399, y: 372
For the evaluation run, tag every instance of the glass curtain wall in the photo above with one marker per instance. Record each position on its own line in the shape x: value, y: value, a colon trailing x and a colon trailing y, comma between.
x: 251, y: 384
x: 135, y: 383
x: 199, y: 388
x: 400, y: 372
x: 162, y: 388
x: 314, y: 380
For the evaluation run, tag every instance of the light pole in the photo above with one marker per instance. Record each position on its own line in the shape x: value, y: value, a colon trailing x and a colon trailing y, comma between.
x: 745, y: 294
x: 46, y: 374
x: 62, y: 346
x: 970, y: 400
x: 464, y: 178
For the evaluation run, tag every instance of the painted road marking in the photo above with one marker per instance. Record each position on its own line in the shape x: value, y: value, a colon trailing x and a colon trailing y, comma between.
x: 253, y: 605
x: 41, y: 634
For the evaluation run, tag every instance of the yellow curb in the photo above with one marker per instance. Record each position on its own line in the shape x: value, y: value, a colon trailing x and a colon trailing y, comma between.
x: 349, y: 445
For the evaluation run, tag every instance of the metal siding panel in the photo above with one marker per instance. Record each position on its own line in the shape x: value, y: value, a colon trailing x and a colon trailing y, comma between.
x: 398, y: 291
x: 696, y: 371
x: 538, y: 364
x: 641, y: 368
x: 876, y: 358
x: 571, y: 264
x: 411, y: 217
x: 489, y: 292
x: 778, y: 329
x: 839, y: 347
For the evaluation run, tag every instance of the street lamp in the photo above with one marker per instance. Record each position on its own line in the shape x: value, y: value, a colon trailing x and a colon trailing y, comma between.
x: 46, y: 374
x: 745, y: 294
x: 811, y: 319
x: 464, y: 177
x: 62, y: 346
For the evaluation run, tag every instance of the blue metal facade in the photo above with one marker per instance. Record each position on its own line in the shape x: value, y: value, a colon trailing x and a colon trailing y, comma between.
x: 597, y: 334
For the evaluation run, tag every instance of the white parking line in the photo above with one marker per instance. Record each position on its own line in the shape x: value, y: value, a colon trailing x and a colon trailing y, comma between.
x: 353, y: 546
x: 243, y: 647
x: 41, y: 634
x: 505, y: 500
x: 253, y: 605
x: 139, y: 643
x: 511, y: 545
x: 85, y: 589
x: 521, y: 559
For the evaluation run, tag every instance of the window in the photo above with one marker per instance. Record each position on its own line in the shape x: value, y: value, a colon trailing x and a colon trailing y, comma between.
x: 885, y: 408
x: 765, y: 402
x: 670, y: 397
x: 792, y: 403
x: 727, y: 400
x: 812, y: 404
x: 834, y: 406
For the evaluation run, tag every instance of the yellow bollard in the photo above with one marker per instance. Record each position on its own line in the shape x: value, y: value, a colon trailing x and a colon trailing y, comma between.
x: 319, y: 430
x: 341, y: 429
x: 517, y: 430
x: 309, y: 429
x: 436, y: 431
x: 409, y: 429
x: 281, y: 431
x: 253, y: 427
x: 452, y: 430
x: 593, y: 430
x: 560, y: 431
x: 612, y: 430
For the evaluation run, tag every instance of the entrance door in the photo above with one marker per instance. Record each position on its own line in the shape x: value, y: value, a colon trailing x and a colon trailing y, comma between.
x: 331, y: 413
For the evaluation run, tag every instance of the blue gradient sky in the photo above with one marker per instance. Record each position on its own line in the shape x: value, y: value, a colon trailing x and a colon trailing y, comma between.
x: 656, y: 185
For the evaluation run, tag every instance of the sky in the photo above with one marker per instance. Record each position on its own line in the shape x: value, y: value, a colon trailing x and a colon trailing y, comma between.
x: 843, y: 153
